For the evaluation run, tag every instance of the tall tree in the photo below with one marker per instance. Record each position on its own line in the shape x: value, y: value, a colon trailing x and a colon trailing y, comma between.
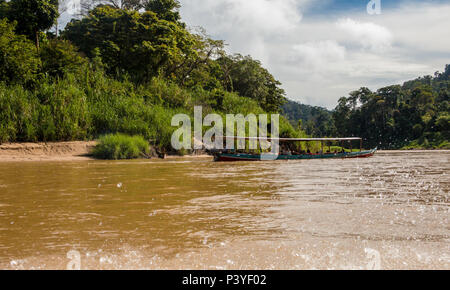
x: 32, y: 16
x: 139, y: 44
x: 88, y: 5
x: 394, y: 116
x: 19, y: 61
x: 249, y: 78
x: 165, y: 9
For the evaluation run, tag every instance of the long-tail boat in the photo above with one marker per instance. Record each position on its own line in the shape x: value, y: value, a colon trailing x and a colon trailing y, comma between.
x: 227, y: 155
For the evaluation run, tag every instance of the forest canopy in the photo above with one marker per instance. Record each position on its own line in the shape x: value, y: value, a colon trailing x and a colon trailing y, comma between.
x: 413, y: 115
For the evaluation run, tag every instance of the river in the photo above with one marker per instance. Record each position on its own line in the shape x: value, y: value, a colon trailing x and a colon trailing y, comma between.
x: 386, y: 212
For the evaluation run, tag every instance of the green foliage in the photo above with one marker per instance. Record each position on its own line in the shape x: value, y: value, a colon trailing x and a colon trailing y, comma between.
x: 414, y: 114
x: 19, y: 62
x: 3, y: 8
x: 120, y: 146
x: 315, y: 121
x: 169, y: 94
x: 286, y: 129
x: 116, y: 106
x: 60, y: 57
x: 165, y: 9
x: 55, y: 111
x: 248, y: 78
x: 19, y: 120
x: 443, y: 122
x: 141, y: 69
x: 32, y: 16
x: 63, y: 111
x: 138, y: 44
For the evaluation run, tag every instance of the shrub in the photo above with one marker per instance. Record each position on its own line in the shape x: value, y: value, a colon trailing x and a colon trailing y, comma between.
x: 19, y: 62
x: 120, y: 146
x: 87, y: 104
x: 18, y: 114
x: 60, y: 56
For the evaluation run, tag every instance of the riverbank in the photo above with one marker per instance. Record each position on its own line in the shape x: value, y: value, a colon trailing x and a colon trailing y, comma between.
x: 79, y: 151
x: 50, y: 151
x: 413, y: 150
x: 56, y: 151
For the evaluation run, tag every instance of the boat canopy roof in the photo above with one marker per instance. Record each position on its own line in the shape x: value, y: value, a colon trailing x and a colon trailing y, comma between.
x: 295, y: 139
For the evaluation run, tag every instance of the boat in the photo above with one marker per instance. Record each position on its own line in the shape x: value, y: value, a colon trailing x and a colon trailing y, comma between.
x: 230, y: 155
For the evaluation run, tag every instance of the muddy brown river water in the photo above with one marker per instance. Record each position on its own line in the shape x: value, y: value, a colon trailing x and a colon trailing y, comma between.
x: 387, y: 212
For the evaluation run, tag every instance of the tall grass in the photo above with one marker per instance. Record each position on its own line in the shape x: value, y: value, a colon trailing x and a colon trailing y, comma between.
x: 120, y: 146
x: 88, y: 104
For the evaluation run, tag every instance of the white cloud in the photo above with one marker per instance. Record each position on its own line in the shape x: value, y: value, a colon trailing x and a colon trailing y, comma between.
x: 250, y: 26
x: 369, y: 35
x: 320, y: 59
x: 268, y: 16
x: 317, y: 55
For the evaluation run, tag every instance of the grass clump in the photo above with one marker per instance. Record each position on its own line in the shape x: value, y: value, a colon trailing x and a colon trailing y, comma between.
x: 120, y: 146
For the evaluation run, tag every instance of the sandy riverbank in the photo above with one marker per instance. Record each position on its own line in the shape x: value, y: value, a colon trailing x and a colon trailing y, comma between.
x: 51, y: 151
x: 55, y: 151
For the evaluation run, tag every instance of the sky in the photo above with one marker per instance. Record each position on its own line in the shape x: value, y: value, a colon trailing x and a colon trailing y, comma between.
x: 321, y: 50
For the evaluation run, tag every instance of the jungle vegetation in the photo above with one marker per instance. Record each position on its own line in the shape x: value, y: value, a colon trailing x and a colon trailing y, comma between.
x: 121, y: 67
x: 414, y: 115
x: 128, y: 66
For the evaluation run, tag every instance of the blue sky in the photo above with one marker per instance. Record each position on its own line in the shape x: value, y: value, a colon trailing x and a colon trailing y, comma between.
x: 325, y: 7
x: 323, y: 49
x: 332, y: 6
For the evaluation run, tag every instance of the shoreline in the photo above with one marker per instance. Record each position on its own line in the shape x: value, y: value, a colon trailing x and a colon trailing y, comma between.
x: 80, y: 151
x: 413, y: 150
x: 47, y: 151
x: 58, y: 151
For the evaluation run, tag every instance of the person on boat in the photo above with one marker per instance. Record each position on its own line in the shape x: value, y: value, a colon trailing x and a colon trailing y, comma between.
x: 286, y: 151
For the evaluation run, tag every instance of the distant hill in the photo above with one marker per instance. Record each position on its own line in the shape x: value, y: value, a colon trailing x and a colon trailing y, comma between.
x: 315, y: 121
x: 413, y: 115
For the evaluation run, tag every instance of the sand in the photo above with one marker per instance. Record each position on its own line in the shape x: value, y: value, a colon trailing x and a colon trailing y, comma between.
x: 60, y: 151
x: 51, y: 151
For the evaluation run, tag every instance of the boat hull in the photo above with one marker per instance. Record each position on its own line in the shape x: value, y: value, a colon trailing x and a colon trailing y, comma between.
x: 229, y: 157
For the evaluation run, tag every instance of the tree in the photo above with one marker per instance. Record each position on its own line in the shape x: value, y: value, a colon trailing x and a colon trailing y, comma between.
x: 443, y: 123
x: 32, y: 16
x: 394, y: 116
x: 247, y: 77
x: 341, y: 116
x: 60, y: 56
x: 139, y: 44
x: 125, y: 4
x: 3, y: 8
x: 61, y: 10
x: 198, y: 68
x: 165, y: 9
x: 19, y: 62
